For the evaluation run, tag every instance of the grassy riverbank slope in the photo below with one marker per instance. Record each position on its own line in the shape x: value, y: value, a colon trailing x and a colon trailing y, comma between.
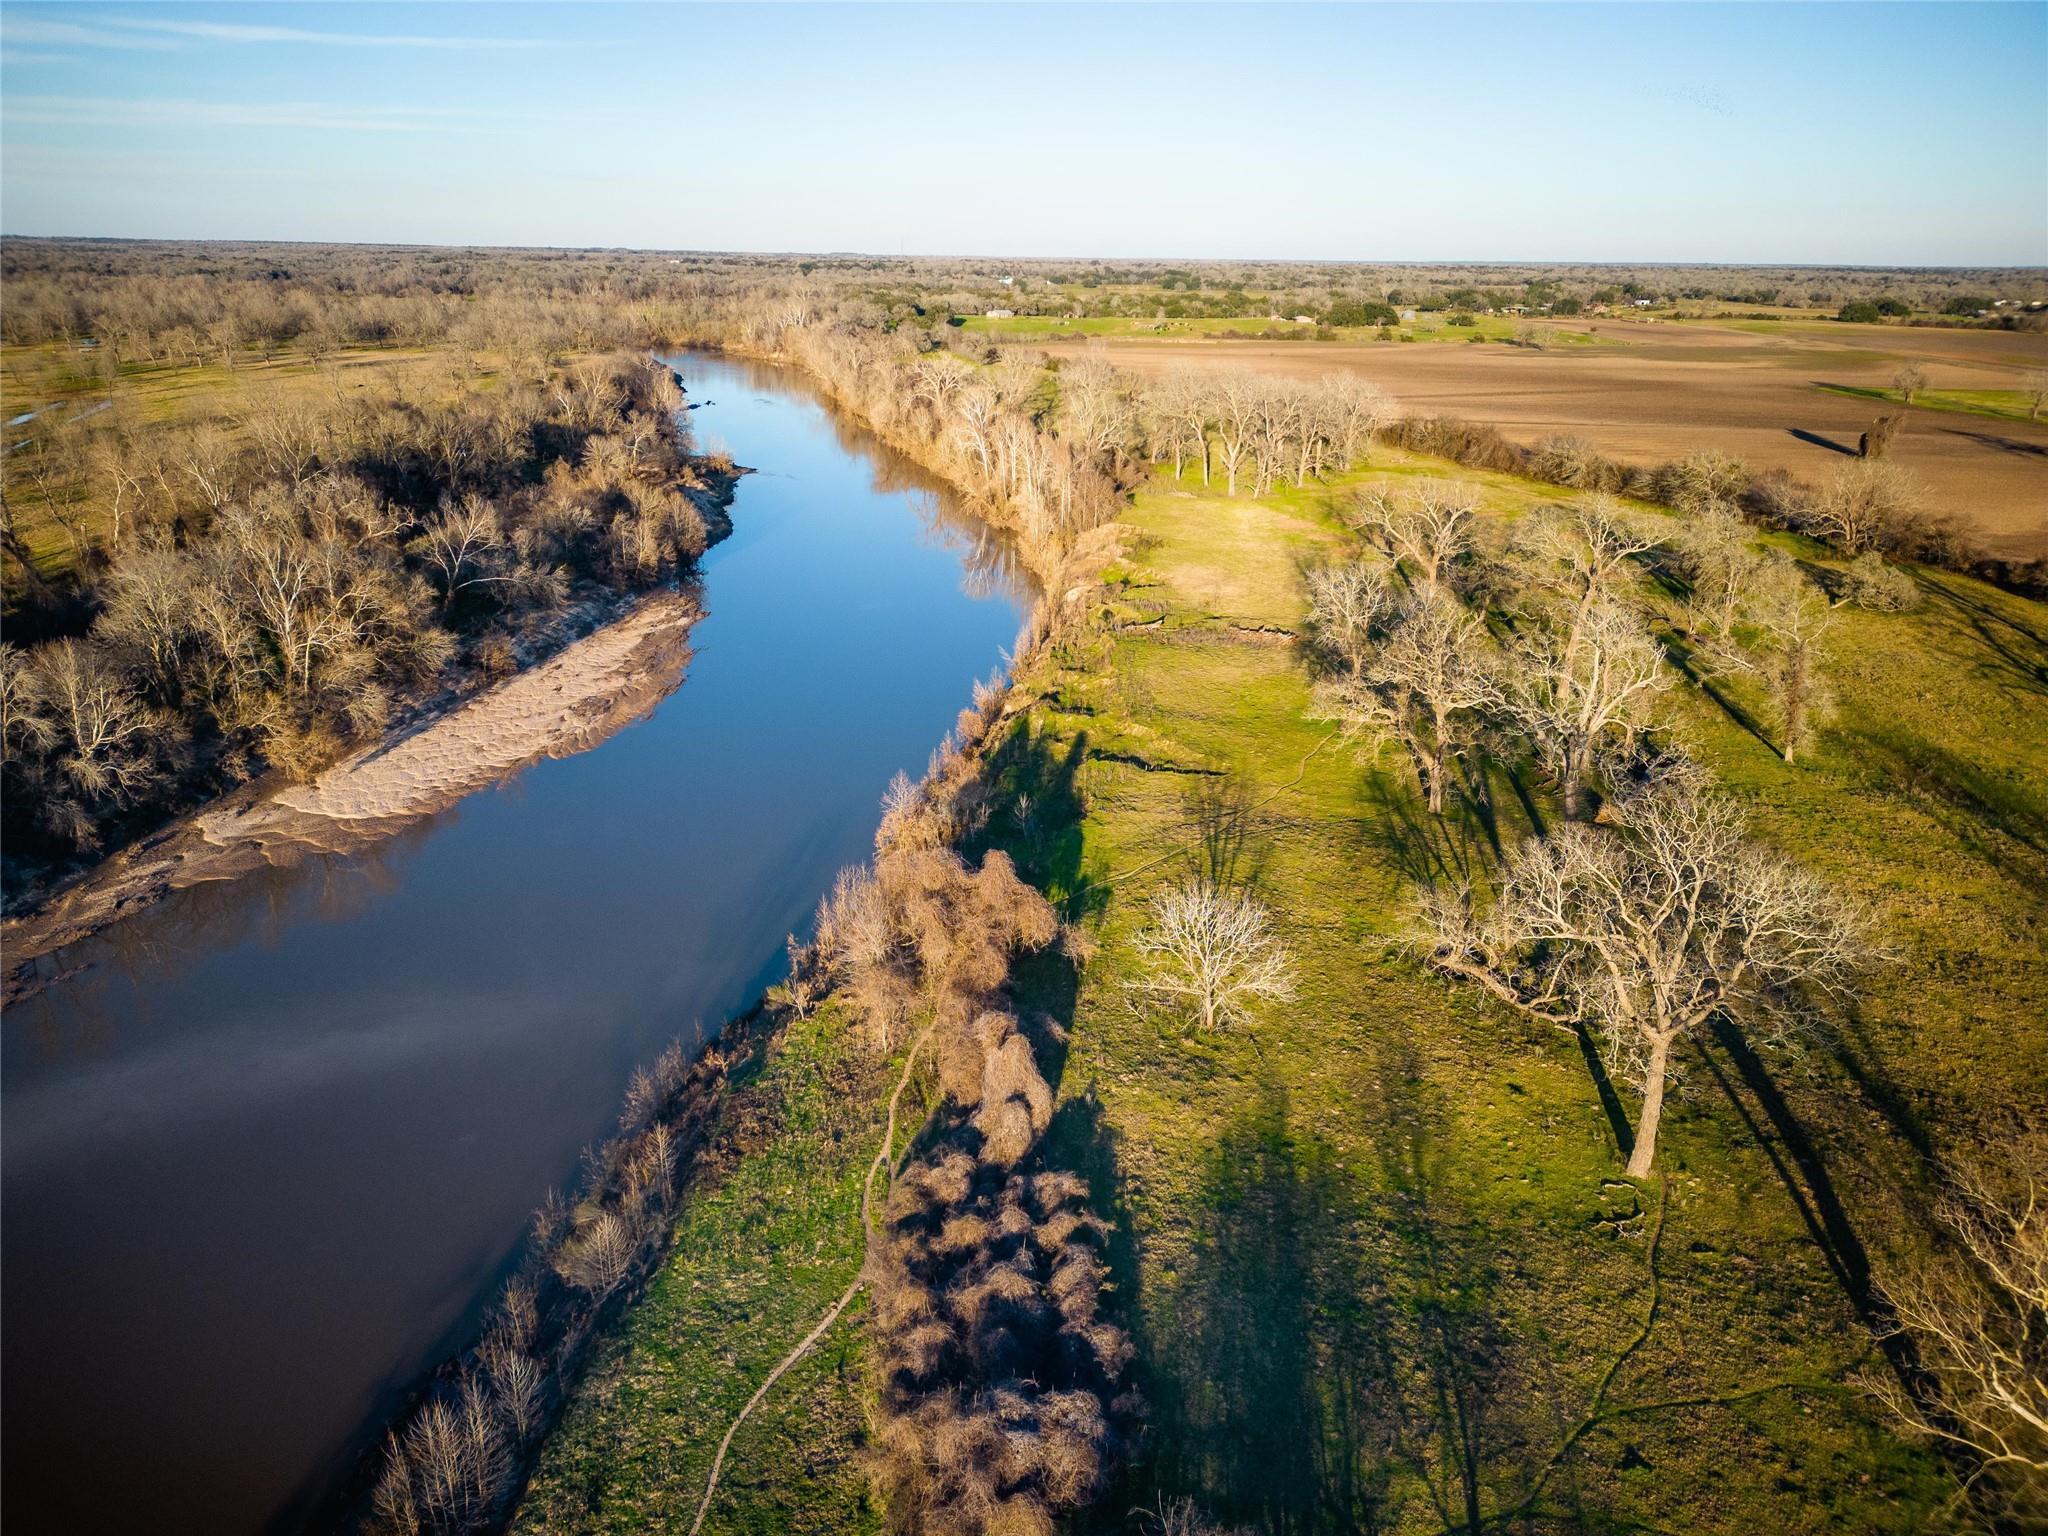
x: 1375, y: 1249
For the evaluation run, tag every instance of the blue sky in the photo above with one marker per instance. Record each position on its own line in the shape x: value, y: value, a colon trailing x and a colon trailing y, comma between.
x: 1887, y: 134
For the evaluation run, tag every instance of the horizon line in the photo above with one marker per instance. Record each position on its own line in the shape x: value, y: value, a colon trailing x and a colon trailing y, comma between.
x: 908, y: 256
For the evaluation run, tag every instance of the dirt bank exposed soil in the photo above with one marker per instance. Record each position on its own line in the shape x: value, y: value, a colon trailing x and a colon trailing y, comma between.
x: 591, y: 689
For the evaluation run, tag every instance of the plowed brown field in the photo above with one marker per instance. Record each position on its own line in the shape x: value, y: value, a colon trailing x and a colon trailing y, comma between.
x: 1662, y: 390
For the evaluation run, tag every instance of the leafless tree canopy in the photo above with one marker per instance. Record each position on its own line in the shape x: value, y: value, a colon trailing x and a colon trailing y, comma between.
x: 1977, y: 1311
x: 1646, y: 932
x: 1422, y: 675
x: 272, y: 593
x: 1213, y: 951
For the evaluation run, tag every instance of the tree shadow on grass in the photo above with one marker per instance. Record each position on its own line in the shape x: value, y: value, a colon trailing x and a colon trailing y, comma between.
x: 2006, y: 652
x: 1742, y: 1076
x: 1860, y: 1055
x: 1683, y: 655
x: 1426, y: 849
x: 1230, y: 839
x: 1987, y: 811
x: 1456, y: 1392
x: 1271, y: 1399
x: 1031, y: 773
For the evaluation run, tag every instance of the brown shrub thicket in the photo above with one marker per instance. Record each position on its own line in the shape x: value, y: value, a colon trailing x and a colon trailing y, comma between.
x: 457, y: 1459
x: 1000, y: 1395
x: 1001, y: 1402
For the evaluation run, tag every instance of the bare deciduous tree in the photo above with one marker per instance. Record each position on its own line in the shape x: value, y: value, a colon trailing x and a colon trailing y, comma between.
x: 459, y: 545
x: 207, y: 458
x: 1358, y: 409
x: 1427, y: 686
x: 1868, y: 504
x: 1706, y: 481
x: 1790, y: 617
x: 1871, y: 582
x: 1582, y: 689
x: 1716, y: 553
x: 114, y: 465
x: 1096, y: 411
x: 1237, y: 399
x: 1909, y: 381
x: 1646, y: 932
x: 1427, y: 525
x: 102, y: 728
x: 1350, y: 607
x: 1212, y: 949
x: 1180, y: 407
x: 599, y: 1255
x: 1583, y: 554
x: 1978, y: 1314
x: 287, y: 434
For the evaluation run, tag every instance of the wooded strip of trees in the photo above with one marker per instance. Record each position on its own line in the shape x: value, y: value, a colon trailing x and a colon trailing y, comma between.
x: 1866, y: 506
x: 269, y: 590
x: 458, y: 1458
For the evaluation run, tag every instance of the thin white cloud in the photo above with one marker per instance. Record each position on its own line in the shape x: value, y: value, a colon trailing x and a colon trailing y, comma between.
x: 40, y: 29
x: 115, y: 112
x: 160, y: 36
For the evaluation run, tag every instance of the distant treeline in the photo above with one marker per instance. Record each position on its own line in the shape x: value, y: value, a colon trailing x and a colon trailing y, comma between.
x: 184, y: 300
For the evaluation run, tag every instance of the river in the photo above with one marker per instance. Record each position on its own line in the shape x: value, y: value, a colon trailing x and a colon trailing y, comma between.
x: 267, y: 1151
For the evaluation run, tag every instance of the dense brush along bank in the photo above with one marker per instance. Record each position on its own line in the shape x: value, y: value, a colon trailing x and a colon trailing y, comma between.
x: 271, y: 1145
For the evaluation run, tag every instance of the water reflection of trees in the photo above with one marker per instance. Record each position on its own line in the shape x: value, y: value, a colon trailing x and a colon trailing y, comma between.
x: 107, y: 986
x: 989, y: 563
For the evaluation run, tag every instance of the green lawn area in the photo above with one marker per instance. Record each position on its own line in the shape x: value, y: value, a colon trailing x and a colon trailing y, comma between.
x: 2002, y: 404
x: 1375, y: 1249
x: 766, y: 1244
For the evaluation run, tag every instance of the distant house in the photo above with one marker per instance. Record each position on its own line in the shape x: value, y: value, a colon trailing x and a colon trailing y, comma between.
x: 1001, y: 314
x: 1304, y: 319
x: 1644, y: 303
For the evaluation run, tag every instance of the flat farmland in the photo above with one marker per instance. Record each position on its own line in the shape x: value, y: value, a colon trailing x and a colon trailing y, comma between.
x: 1657, y: 391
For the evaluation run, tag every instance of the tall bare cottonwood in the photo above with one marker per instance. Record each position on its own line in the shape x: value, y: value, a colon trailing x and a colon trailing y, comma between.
x: 1646, y: 932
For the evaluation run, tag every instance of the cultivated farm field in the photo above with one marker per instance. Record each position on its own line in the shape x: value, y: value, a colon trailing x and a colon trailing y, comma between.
x: 1655, y: 391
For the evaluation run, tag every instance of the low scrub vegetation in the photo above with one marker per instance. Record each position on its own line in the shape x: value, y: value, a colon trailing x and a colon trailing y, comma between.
x: 459, y: 1457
